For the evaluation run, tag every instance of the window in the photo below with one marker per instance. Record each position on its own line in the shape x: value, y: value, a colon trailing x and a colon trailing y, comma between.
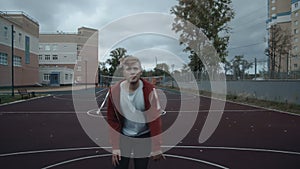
x: 78, y: 78
x: 71, y: 76
x: 79, y: 58
x: 17, y: 61
x: 273, y: 8
x: 79, y: 68
x: 66, y: 76
x: 273, y: 1
x: 27, y: 50
x: 47, y: 48
x: 296, y: 5
x: 40, y: 47
x: 40, y: 57
x: 295, y: 65
x: 273, y: 15
x: 5, y: 32
x: 46, y: 77
x: 54, y: 47
x: 296, y: 48
x: 296, y: 31
x: 47, y: 57
x: 20, y: 38
x: 296, y: 14
x: 296, y: 40
x: 54, y: 57
x: 3, y: 59
x: 295, y: 23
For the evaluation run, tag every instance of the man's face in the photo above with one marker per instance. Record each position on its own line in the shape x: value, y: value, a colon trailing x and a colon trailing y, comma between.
x: 132, y: 72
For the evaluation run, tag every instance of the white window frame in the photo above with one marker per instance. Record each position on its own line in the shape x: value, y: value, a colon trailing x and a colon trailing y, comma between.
x: 54, y: 57
x: 3, y: 59
x: 47, y: 57
x: 17, y: 61
x: 46, y: 77
x: 47, y: 47
x: 79, y: 68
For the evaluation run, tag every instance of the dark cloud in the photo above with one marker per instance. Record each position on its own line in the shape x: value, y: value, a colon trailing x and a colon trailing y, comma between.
x: 248, y: 27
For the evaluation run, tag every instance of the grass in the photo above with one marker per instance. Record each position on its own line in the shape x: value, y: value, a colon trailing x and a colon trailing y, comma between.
x: 7, y: 98
x: 286, y: 107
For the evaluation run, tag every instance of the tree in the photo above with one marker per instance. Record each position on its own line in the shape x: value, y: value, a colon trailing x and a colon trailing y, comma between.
x: 279, y: 46
x: 196, y: 65
x: 161, y: 69
x: 238, y: 66
x: 210, y: 17
x: 114, y: 62
x: 103, y: 69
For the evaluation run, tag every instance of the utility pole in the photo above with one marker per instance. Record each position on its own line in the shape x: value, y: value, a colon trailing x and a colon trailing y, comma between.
x: 12, y: 61
x: 85, y: 65
x: 287, y: 64
x: 255, y: 67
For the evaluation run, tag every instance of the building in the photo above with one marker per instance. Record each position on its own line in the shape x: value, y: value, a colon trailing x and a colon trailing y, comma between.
x: 285, y: 14
x: 25, y: 70
x: 67, y: 58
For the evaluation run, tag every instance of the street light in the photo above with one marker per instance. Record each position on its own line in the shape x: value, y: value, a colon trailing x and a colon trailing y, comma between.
x: 12, y: 61
x: 85, y: 61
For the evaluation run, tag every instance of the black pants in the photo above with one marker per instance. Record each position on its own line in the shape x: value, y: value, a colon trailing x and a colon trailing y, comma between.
x: 140, y: 148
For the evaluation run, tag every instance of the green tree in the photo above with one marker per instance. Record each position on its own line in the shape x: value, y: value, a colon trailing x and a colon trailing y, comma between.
x: 239, y: 66
x: 161, y: 69
x: 114, y: 61
x: 103, y: 69
x: 211, y: 18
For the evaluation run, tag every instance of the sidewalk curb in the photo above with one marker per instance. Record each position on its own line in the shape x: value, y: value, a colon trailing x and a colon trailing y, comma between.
x: 23, y: 100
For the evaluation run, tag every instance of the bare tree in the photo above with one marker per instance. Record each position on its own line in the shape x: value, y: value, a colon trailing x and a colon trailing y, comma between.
x: 279, y: 46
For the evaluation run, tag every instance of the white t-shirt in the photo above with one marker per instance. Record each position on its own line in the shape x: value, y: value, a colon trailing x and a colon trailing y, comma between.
x: 133, y: 107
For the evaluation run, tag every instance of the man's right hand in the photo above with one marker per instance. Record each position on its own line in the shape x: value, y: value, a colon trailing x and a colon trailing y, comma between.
x: 116, y: 157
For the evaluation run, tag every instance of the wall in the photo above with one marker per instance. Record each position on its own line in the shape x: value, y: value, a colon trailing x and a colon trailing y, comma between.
x: 272, y: 90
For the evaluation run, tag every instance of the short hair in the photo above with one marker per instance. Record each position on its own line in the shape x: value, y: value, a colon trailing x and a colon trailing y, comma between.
x: 129, y: 60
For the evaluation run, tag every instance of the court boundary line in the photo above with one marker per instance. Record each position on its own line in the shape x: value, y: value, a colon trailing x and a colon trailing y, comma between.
x: 106, y: 155
x: 244, y: 104
x: 24, y: 100
x: 164, y: 146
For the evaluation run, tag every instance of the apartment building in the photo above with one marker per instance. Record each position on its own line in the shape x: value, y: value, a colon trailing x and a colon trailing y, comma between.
x: 22, y: 69
x: 285, y: 13
x: 68, y: 58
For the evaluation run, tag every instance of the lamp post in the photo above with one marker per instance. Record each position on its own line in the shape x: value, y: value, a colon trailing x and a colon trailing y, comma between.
x: 12, y: 61
x: 85, y: 61
x: 173, y: 65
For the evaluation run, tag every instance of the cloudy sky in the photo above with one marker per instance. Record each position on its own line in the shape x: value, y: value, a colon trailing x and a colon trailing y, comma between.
x: 247, y: 35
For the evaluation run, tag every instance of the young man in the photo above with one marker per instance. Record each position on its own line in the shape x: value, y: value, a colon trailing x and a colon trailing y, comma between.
x: 134, y: 117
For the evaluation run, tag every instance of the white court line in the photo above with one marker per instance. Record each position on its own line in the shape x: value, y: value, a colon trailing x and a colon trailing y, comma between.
x: 244, y: 104
x: 23, y: 100
x: 45, y: 112
x: 95, y: 115
x: 75, y: 159
x: 106, y: 155
x: 196, y: 160
x: 237, y: 149
x: 105, y: 110
x: 166, y: 146
x: 61, y: 98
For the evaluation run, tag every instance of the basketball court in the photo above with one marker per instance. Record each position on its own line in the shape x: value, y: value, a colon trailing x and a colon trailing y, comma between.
x: 45, y: 133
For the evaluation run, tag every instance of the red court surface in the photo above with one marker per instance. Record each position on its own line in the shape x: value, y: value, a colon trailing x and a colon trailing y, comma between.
x: 45, y: 133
